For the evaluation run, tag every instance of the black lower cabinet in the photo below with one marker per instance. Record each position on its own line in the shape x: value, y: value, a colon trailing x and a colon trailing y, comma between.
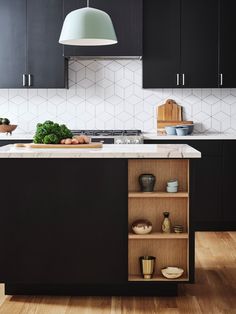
x: 206, y: 196
x: 64, y: 226
x: 228, y: 183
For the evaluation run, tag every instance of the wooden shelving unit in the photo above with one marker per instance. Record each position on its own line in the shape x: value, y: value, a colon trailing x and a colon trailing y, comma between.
x: 158, y: 235
x: 156, y: 278
x: 157, y: 195
x: 169, y: 249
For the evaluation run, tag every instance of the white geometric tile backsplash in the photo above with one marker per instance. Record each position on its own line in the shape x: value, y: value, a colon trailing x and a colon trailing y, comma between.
x: 108, y: 94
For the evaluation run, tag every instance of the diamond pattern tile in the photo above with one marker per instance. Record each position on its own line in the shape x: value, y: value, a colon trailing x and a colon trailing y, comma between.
x: 108, y: 94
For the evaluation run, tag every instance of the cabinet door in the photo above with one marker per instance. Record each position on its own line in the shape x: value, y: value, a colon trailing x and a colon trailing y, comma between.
x: 13, y: 43
x: 161, y: 50
x: 199, y: 43
x: 206, y: 193
x: 127, y: 19
x: 228, y: 43
x: 228, y: 185
x: 46, y: 63
x: 67, y: 222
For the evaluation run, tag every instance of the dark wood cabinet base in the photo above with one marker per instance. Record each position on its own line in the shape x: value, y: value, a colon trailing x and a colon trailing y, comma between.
x: 143, y: 289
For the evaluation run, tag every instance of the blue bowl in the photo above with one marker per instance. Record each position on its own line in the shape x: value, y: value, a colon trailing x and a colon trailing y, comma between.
x: 189, y: 126
x: 182, y: 131
x: 170, y: 130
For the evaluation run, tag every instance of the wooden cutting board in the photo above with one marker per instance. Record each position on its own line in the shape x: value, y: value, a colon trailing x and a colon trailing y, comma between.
x: 32, y: 145
x: 170, y: 111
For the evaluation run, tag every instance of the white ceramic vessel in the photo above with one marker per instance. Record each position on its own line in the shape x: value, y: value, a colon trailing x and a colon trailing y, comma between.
x: 172, y: 272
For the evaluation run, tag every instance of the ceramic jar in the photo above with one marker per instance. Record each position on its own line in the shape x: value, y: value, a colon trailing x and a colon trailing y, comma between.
x: 147, y: 182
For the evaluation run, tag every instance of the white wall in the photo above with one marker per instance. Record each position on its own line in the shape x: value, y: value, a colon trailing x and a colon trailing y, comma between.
x: 108, y: 94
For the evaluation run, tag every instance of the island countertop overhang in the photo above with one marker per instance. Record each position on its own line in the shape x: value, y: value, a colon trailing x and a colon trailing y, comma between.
x: 107, y: 151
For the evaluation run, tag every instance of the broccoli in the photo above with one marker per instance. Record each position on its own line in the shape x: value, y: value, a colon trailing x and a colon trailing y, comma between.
x: 51, y: 133
x: 51, y: 139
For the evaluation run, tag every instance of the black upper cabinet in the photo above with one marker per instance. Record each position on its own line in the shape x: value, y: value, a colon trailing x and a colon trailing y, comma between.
x: 46, y: 63
x: 13, y: 43
x: 180, y: 44
x: 199, y: 43
x: 161, y: 38
x: 127, y: 17
x: 30, y: 55
x: 227, y: 43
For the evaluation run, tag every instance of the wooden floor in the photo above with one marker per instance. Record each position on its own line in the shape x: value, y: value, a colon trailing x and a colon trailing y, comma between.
x: 214, y: 291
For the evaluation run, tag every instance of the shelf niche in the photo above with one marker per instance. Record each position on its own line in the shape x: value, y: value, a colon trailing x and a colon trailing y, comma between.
x: 169, y: 249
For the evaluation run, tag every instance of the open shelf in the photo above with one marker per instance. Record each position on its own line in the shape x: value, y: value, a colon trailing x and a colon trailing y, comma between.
x: 155, y: 278
x: 157, y: 194
x: 170, y: 249
x: 158, y: 235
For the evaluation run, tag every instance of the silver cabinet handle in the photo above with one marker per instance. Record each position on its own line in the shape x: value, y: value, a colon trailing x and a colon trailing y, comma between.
x: 29, y: 80
x: 24, y: 80
x: 221, y: 79
x: 183, y: 79
x: 177, y: 79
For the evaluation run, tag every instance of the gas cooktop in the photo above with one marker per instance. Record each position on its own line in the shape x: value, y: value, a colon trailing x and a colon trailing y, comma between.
x: 111, y: 133
x: 113, y: 136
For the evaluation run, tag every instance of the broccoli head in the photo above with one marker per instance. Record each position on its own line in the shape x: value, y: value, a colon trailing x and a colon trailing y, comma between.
x: 51, y: 139
x: 45, y: 131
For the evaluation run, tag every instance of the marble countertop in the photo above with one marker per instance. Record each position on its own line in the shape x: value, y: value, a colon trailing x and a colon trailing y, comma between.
x: 195, y: 136
x: 107, y: 151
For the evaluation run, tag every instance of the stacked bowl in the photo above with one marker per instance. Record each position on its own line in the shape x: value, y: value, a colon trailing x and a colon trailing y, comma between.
x: 172, y: 186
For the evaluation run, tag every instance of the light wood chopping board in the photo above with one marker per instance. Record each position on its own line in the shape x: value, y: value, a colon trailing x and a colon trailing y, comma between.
x: 170, y: 111
x: 32, y: 145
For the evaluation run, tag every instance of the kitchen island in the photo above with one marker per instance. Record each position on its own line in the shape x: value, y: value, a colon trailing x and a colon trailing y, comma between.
x: 66, y: 218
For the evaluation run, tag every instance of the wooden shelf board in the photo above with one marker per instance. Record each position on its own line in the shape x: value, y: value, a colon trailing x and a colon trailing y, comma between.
x: 155, y: 278
x: 158, y: 195
x: 158, y: 235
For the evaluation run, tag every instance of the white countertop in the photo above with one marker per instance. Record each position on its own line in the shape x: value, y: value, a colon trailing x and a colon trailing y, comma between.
x: 108, y: 151
x: 196, y: 136
x: 147, y: 136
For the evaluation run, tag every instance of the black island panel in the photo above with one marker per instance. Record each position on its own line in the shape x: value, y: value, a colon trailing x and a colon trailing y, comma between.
x: 64, y: 221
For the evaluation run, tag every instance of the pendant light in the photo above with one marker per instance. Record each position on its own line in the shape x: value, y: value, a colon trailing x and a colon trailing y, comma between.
x: 88, y: 27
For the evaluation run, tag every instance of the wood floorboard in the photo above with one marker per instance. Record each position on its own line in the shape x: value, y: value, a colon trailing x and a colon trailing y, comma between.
x: 214, y: 291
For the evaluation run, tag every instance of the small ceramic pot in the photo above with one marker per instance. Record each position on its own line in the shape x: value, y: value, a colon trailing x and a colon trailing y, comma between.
x: 178, y: 229
x: 142, y: 226
x: 147, y: 182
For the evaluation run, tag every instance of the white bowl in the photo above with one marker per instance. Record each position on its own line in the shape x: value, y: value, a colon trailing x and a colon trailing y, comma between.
x: 172, y: 272
x: 172, y: 189
x: 173, y: 183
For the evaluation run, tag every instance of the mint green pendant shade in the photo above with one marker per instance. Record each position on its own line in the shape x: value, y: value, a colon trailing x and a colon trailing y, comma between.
x: 88, y: 27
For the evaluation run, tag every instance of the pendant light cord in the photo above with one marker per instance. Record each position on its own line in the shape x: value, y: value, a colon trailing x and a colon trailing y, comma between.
x: 87, y: 3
